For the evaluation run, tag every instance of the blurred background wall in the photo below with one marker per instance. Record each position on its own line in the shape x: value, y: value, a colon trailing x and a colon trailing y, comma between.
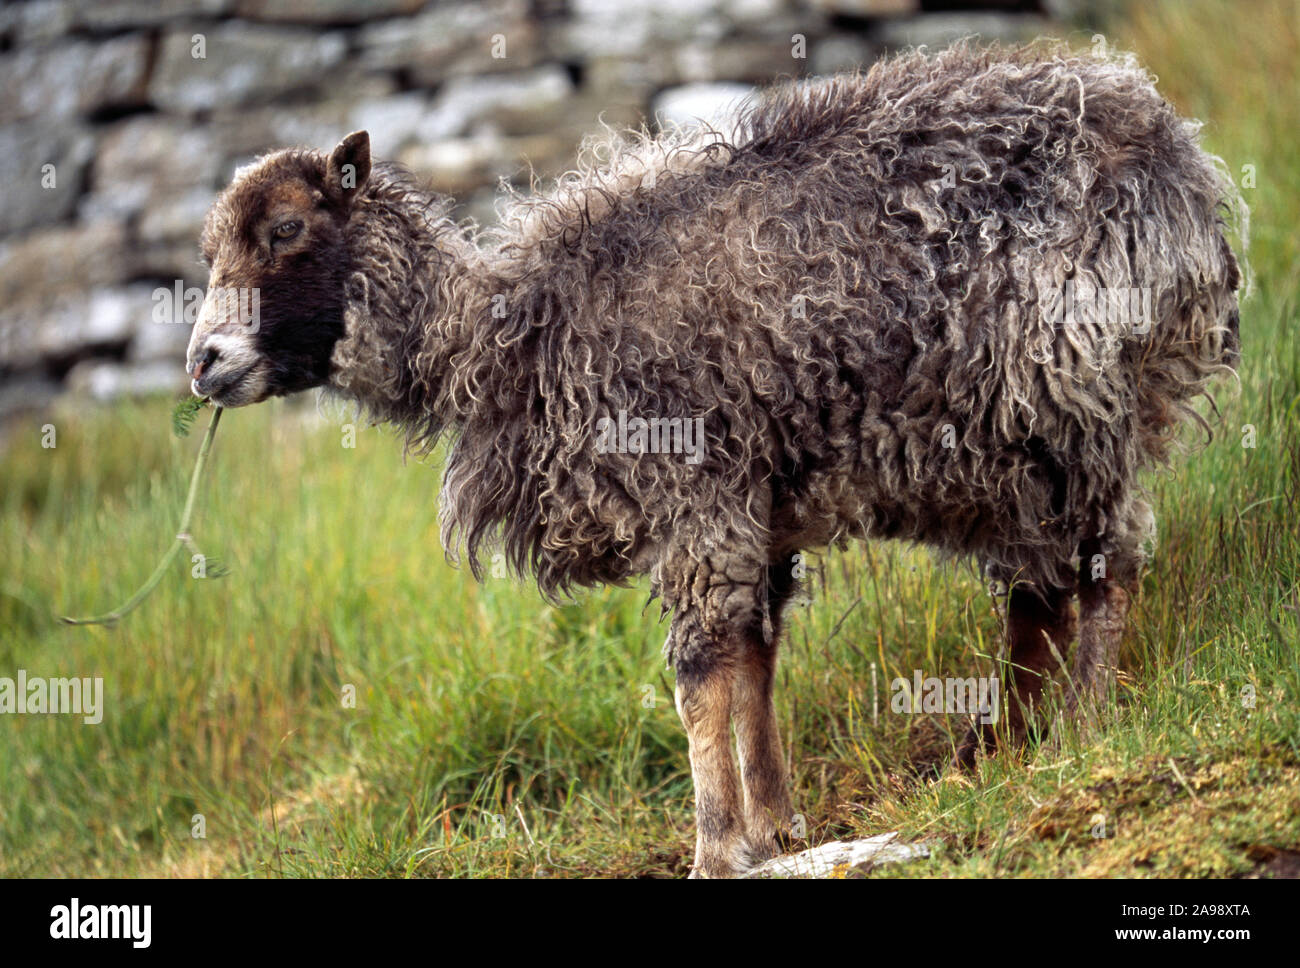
x: 120, y: 120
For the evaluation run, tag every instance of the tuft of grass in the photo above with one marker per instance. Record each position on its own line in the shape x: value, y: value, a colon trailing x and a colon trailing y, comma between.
x: 348, y: 704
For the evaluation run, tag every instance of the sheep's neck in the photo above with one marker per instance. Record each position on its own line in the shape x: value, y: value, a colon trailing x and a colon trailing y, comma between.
x: 418, y: 297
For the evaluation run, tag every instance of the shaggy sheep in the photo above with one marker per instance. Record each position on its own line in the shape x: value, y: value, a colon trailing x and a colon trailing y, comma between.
x: 962, y: 300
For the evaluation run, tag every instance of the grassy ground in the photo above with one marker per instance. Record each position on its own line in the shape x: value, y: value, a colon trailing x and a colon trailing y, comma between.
x: 492, y: 735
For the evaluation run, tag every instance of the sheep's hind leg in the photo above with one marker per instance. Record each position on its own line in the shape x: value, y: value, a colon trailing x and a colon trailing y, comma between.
x: 1036, y: 624
x: 767, y: 808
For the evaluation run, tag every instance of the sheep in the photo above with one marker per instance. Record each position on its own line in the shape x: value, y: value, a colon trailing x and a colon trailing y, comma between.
x: 962, y: 299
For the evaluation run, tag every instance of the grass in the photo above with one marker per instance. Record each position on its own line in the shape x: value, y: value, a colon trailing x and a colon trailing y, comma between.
x: 344, y: 703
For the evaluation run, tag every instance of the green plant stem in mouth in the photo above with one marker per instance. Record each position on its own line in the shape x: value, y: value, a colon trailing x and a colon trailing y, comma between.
x: 183, y: 538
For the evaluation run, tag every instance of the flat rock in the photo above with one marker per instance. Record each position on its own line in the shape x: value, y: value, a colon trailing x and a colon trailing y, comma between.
x: 751, y: 60
x: 623, y: 27
x: 31, y: 198
x: 145, y: 163
x: 243, y: 63
x: 458, y: 166
x: 35, y: 22
x: 325, y: 11
x: 458, y: 38
x: 73, y: 79
x: 39, y: 266
x: 516, y: 102
x: 839, y: 857
x: 121, y: 14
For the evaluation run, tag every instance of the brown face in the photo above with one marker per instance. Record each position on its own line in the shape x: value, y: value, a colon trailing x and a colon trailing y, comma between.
x: 276, y: 243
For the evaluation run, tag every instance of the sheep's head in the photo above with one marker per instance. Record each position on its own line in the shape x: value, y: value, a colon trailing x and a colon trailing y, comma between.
x: 276, y: 243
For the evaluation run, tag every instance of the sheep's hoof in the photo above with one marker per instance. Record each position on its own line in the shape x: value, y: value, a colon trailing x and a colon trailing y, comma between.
x: 983, y: 738
x: 978, y: 739
x: 788, y: 843
x: 720, y: 864
x: 702, y: 872
x: 762, y: 848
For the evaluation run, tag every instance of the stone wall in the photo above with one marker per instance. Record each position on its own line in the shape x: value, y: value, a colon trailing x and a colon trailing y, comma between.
x: 121, y: 118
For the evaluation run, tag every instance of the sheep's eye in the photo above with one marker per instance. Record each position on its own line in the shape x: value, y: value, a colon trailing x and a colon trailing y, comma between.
x: 285, y: 231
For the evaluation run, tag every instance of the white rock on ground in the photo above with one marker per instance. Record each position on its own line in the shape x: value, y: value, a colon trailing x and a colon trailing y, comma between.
x: 840, y: 856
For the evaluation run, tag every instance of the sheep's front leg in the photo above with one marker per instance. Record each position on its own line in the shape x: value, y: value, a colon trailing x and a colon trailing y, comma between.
x: 767, y: 808
x: 705, y: 687
x: 719, y: 613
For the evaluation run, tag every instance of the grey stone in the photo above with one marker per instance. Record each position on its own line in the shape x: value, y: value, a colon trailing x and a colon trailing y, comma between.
x: 244, y: 63
x: 735, y: 60
x: 71, y: 325
x: 626, y: 27
x: 169, y: 259
x: 44, y: 264
x: 175, y: 217
x: 393, y: 122
x: 149, y: 161
x: 519, y: 102
x: 325, y: 11
x: 71, y: 79
x: 153, y: 339
x: 35, y: 196
x: 457, y: 166
x: 121, y: 14
x: 461, y: 166
x: 391, y: 119
x: 754, y: 13
x: 244, y: 133
x: 630, y: 78
x: 774, y: 20
x: 459, y: 38
x: 37, y: 22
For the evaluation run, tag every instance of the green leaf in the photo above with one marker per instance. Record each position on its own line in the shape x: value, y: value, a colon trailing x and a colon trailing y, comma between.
x: 184, y: 413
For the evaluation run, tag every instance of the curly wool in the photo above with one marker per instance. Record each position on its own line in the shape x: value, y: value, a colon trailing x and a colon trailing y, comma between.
x: 849, y: 294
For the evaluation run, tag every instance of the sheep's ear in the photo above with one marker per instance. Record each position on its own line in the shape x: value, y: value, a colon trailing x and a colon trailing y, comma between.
x: 349, y: 167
